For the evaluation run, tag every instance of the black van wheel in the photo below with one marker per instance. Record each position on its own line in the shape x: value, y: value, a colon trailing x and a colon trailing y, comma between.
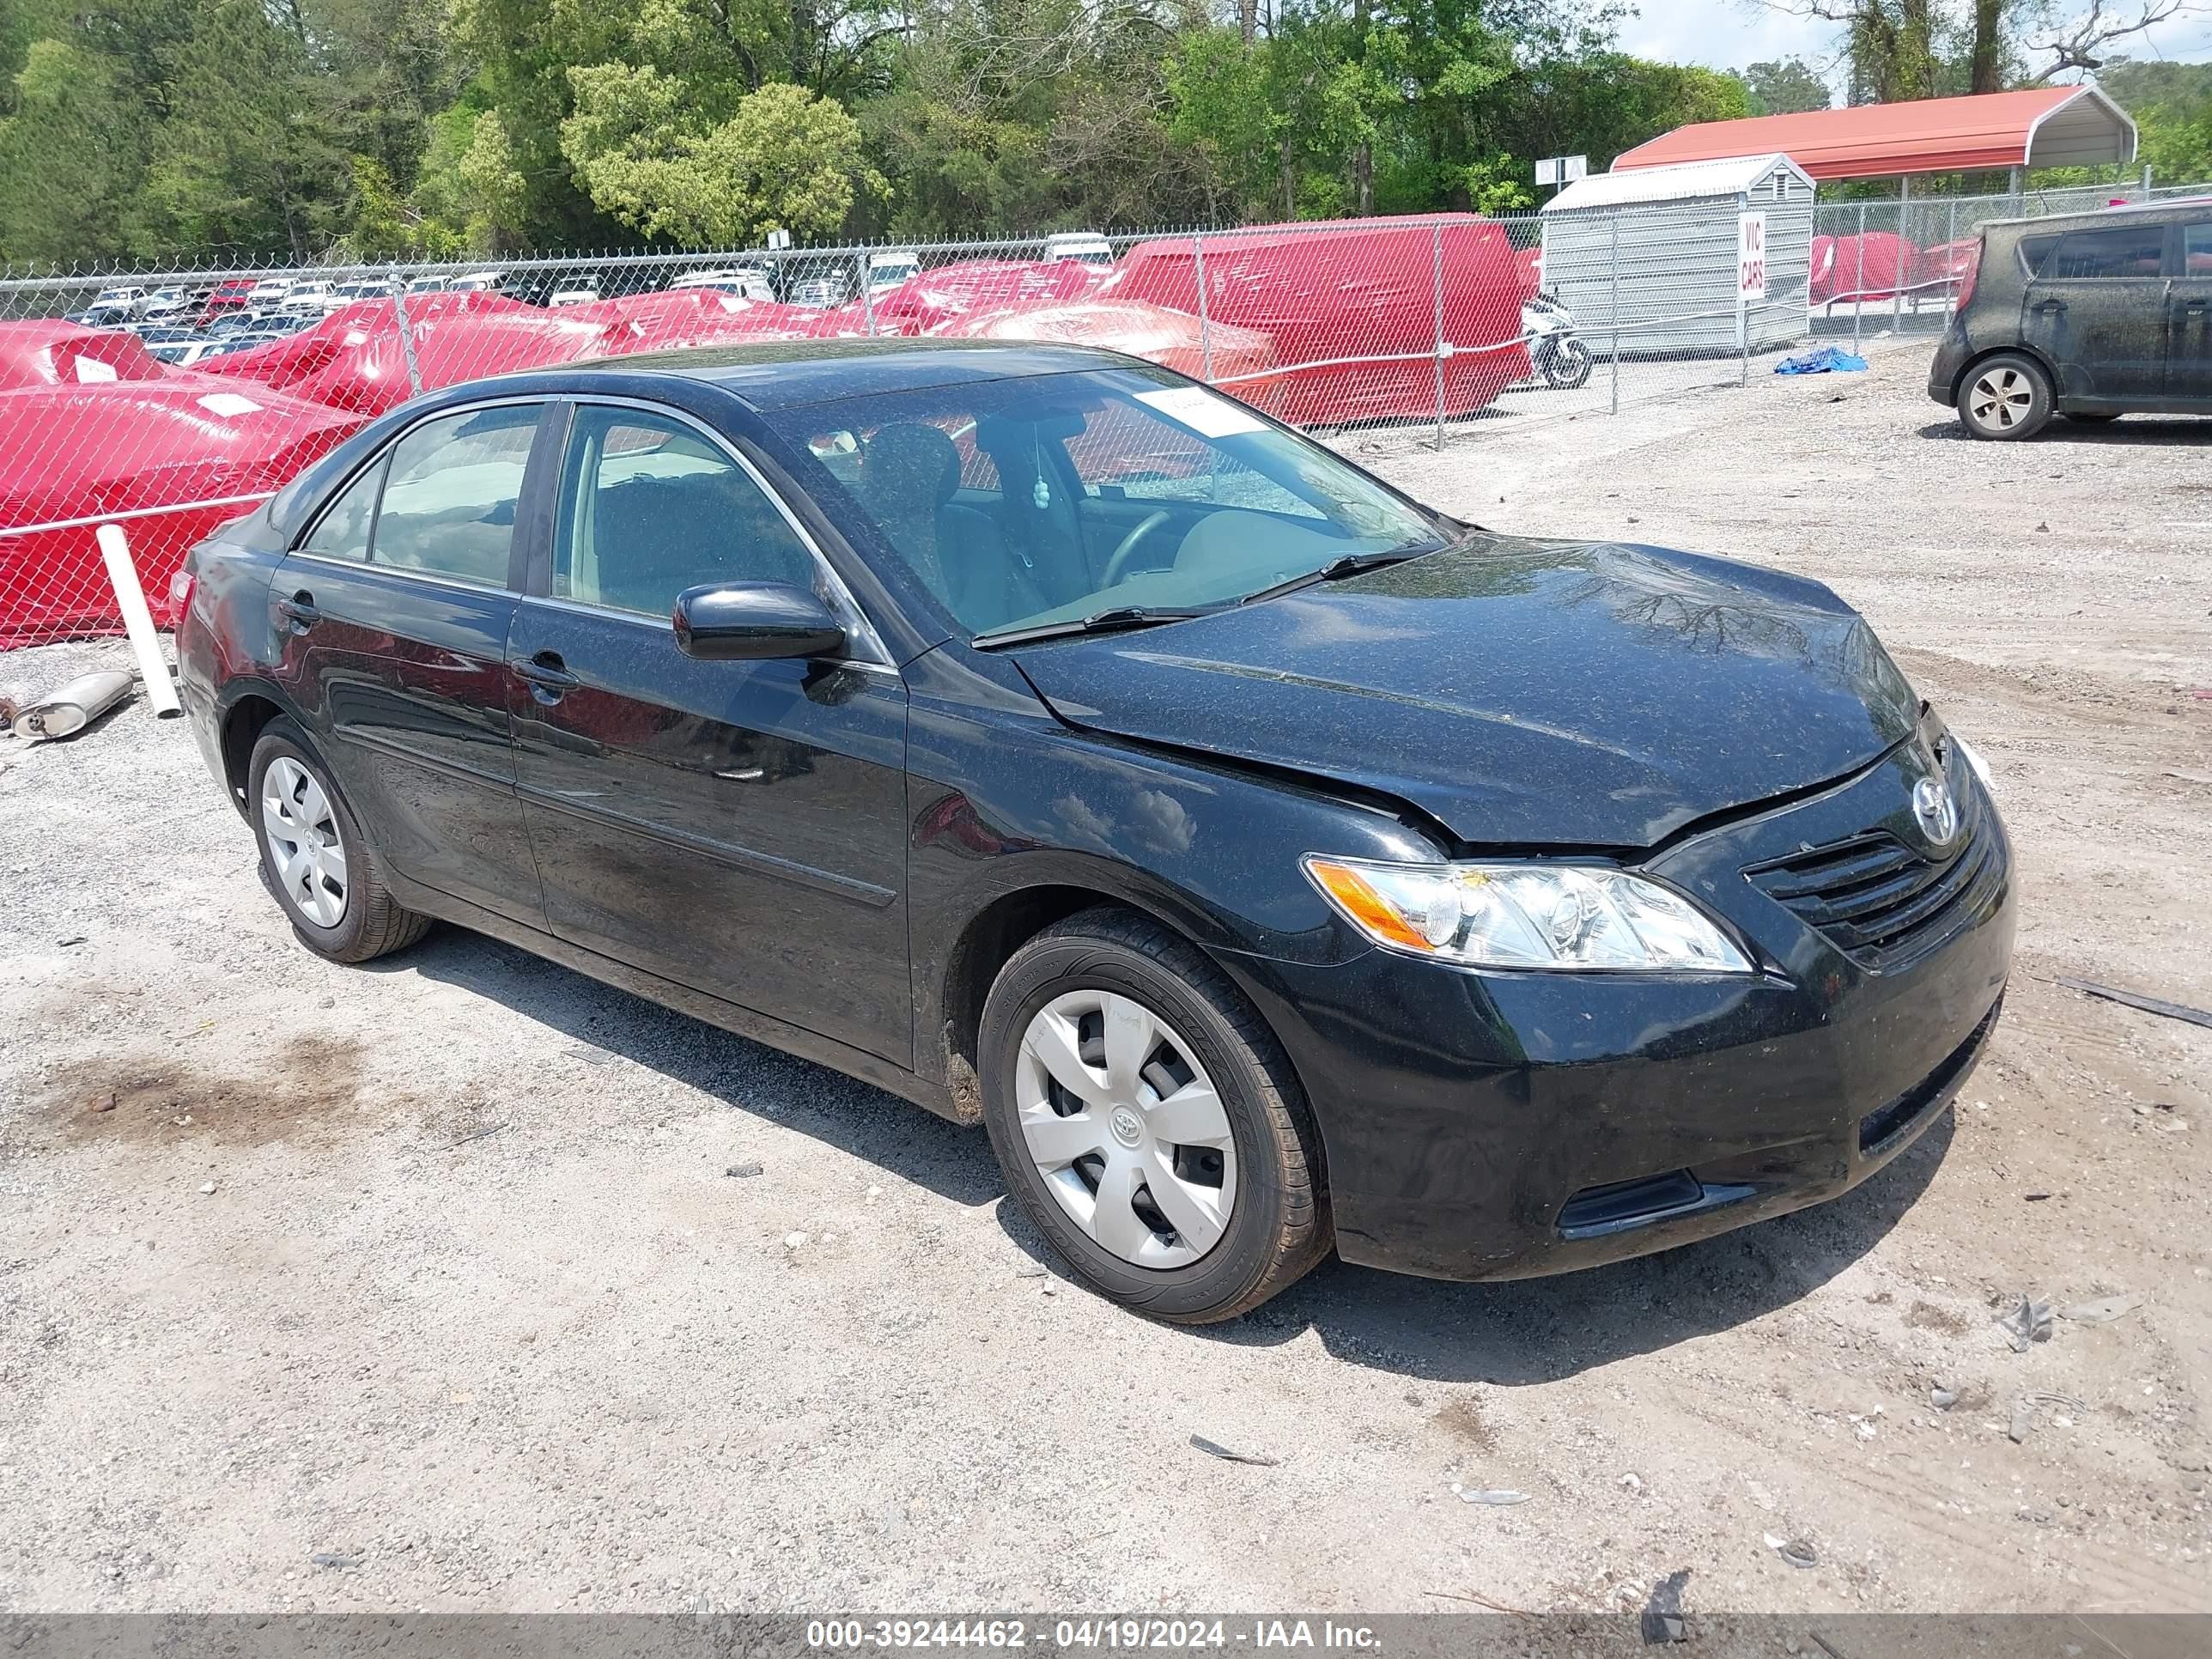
x: 2004, y: 396
x: 1149, y: 1124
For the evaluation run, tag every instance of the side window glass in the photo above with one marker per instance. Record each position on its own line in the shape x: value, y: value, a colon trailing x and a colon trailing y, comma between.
x: 2129, y: 251
x: 342, y: 530
x: 2196, y: 249
x: 650, y: 507
x: 450, y: 496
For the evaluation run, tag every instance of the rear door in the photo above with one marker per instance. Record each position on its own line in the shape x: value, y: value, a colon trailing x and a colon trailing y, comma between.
x: 737, y: 827
x: 2096, y: 308
x: 2189, y: 316
x: 395, y: 607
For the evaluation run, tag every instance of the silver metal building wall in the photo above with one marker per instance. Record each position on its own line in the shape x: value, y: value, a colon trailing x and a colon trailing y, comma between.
x: 1660, y: 243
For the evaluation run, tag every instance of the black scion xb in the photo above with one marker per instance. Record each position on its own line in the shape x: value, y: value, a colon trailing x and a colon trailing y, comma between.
x: 1272, y: 864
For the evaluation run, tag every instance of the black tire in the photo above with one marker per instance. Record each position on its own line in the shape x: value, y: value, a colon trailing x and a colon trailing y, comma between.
x: 2005, y: 397
x: 2089, y: 418
x: 1568, y: 365
x: 371, y: 923
x: 1278, y: 1227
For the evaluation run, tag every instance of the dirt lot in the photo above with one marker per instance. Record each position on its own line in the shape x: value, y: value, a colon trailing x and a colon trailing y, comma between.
x: 474, y: 1318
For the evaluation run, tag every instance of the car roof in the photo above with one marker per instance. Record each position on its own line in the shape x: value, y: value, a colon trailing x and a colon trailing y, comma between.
x: 785, y: 373
x: 2090, y: 217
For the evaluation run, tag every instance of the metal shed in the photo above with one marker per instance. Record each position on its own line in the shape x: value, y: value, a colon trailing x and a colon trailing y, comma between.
x: 1657, y: 246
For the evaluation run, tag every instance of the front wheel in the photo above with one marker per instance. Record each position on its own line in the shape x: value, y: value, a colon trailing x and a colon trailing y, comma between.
x: 1568, y: 365
x: 1148, y: 1122
x: 2006, y: 397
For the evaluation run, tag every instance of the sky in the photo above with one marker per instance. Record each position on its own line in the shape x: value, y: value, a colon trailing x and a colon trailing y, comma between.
x: 1732, y: 34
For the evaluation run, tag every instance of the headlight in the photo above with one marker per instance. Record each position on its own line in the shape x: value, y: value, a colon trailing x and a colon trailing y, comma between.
x: 1975, y: 763
x: 1526, y: 915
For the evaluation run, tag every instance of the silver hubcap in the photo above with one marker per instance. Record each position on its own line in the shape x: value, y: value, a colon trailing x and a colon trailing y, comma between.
x: 2001, y: 399
x: 1126, y: 1129
x: 304, y: 840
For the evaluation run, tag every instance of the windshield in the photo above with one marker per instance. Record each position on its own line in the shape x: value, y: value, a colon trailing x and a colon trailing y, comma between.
x: 1023, y: 502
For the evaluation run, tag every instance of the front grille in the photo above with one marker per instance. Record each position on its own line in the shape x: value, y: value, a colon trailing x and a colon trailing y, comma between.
x: 1883, y: 903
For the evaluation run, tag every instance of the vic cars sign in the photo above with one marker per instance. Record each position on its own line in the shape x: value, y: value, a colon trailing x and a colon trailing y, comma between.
x: 1750, y: 256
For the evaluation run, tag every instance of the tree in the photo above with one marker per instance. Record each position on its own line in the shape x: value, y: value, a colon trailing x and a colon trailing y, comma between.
x: 1788, y: 86
x: 786, y: 158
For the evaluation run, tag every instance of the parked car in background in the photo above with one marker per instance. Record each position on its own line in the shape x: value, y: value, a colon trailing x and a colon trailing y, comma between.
x: 818, y: 293
x: 748, y: 282
x: 1087, y: 246
x: 101, y: 316
x: 124, y: 301
x: 342, y: 294
x: 1272, y: 864
x: 173, y: 304
x: 225, y: 299
x: 270, y: 291
x: 183, y: 354
x: 309, y: 299
x: 478, y: 282
x: 572, y: 293
x: 2085, y: 316
x: 892, y: 266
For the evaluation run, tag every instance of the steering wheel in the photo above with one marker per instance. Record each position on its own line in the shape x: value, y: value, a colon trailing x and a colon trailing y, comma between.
x: 1117, y: 561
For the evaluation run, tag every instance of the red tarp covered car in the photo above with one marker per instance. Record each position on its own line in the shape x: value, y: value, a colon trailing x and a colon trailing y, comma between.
x: 353, y: 359
x: 1875, y: 266
x: 690, y: 317
x: 72, y: 453
x: 1336, y: 298
x: 926, y: 304
x: 43, y: 352
x: 1240, y: 355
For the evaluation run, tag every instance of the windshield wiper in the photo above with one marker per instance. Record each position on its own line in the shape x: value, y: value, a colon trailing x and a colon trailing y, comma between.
x: 1352, y: 564
x: 1098, y: 622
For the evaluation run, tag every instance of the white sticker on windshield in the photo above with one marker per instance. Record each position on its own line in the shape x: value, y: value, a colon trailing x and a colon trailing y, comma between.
x: 227, y: 403
x: 91, y: 370
x: 1206, y: 413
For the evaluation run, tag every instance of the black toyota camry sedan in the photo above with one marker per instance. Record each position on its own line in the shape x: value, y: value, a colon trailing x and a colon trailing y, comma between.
x: 1271, y: 864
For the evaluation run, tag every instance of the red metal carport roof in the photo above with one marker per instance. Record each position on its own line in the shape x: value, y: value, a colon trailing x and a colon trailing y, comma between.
x: 2043, y: 127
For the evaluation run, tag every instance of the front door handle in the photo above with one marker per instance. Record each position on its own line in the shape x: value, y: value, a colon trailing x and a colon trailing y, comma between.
x: 548, y: 677
x: 299, y: 611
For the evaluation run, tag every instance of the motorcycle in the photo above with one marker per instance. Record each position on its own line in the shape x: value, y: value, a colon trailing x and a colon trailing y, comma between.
x: 1549, y: 328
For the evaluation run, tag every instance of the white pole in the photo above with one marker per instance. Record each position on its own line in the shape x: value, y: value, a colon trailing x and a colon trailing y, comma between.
x: 138, y: 622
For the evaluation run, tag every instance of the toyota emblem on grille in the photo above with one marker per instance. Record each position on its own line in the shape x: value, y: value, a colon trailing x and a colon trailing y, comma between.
x: 1935, y: 810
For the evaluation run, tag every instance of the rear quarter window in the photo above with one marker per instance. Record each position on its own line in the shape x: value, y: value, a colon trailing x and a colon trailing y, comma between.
x: 2120, y: 252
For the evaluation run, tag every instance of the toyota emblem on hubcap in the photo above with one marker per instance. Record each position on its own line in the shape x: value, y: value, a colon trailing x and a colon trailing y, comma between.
x: 1936, y: 811
x: 1129, y: 1129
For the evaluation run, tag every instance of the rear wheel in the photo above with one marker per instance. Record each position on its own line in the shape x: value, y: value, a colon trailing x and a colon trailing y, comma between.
x: 1148, y: 1123
x: 314, y: 858
x: 2005, y: 397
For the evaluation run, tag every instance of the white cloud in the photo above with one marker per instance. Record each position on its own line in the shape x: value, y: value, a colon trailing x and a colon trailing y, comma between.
x: 1733, y: 34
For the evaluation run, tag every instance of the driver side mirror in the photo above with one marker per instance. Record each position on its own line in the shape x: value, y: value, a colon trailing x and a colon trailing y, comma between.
x: 755, y: 621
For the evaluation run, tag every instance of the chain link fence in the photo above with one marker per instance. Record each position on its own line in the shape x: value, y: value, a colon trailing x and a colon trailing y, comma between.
x: 1896, y: 265
x: 170, y: 400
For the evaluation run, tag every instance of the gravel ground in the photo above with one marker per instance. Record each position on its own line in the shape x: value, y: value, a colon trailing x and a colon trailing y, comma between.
x: 426, y: 1284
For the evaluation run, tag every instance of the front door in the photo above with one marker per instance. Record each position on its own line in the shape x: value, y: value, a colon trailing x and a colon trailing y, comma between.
x: 2096, y: 309
x: 394, y: 609
x: 737, y: 827
x: 2188, y: 317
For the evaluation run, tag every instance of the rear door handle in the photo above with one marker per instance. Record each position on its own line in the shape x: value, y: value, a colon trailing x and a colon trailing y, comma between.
x: 2196, y: 305
x: 299, y: 611
x: 2051, y: 305
x: 548, y: 677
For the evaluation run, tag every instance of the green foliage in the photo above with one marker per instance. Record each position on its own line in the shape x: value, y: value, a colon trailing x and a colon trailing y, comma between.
x: 376, y: 128
x: 1788, y: 86
x: 786, y: 158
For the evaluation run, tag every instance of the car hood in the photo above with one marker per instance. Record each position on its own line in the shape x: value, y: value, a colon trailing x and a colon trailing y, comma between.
x: 1521, y: 693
